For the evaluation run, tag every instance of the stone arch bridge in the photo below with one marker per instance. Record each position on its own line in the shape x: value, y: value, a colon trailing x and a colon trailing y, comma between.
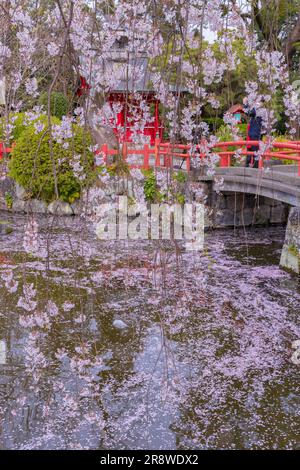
x: 277, y: 176
x: 276, y: 183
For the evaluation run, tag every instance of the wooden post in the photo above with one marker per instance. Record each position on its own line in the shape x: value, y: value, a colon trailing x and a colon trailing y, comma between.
x: 225, y: 161
x: 156, y: 152
x: 299, y: 160
x: 146, y: 157
x: 105, y: 151
x: 124, y: 151
x: 188, y: 162
x: 167, y: 156
x: 156, y: 124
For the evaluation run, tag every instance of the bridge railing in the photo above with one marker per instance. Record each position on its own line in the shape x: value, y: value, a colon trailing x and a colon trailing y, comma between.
x: 163, y: 154
x: 287, y: 151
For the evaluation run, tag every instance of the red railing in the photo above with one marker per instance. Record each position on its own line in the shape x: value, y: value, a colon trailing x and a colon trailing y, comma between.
x: 4, y: 150
x: 165, y: 153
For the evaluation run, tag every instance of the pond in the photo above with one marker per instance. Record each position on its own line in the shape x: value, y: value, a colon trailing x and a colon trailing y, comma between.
x: 141, y: 345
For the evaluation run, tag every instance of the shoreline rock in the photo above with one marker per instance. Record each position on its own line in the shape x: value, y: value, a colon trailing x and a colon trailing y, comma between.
x: 290, y: 257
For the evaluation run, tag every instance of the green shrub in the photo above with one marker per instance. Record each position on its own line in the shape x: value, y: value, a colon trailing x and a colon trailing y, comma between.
x: 224, y: 134
x: 180, y: 177
x: 179, y: 198
x: 214, y: 123
x: 8, y: 200
x: 282, y: 138
x: 243, y: 130
x: 151, y: 190
x: 58, y: 104
x: 119, y: 167
x: 17, y: 121
x: 31, y: 164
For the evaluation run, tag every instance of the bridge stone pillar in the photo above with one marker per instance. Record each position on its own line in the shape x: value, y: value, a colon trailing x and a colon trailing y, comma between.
x: 290, y: 257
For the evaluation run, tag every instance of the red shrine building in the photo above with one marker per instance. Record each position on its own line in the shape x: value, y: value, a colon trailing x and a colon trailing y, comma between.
x: 125, y: 119
x: 132, y: 87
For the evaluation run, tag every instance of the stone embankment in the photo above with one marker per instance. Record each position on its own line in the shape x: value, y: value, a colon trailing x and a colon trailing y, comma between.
x: 225, y: 209
x: 290, y: 257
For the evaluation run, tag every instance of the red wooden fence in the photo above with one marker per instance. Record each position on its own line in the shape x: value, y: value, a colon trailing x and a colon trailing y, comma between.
x: 4, y: 150
x: 164, y: 153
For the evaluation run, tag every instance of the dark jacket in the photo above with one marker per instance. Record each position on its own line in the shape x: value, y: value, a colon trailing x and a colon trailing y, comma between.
x: 255, y: 123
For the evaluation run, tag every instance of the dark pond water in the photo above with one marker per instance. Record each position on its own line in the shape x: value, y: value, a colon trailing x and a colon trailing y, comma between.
x: 203, y: 360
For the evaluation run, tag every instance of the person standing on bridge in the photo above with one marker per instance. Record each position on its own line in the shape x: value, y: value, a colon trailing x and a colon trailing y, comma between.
x: 254, y: 133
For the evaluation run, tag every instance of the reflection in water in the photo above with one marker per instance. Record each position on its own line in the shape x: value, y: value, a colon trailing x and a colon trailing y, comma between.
x: 203, y: 362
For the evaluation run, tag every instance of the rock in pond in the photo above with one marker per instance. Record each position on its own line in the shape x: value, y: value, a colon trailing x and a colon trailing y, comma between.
x: 120, y: 325
x: 5, y: 227
x: 60, y: 208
